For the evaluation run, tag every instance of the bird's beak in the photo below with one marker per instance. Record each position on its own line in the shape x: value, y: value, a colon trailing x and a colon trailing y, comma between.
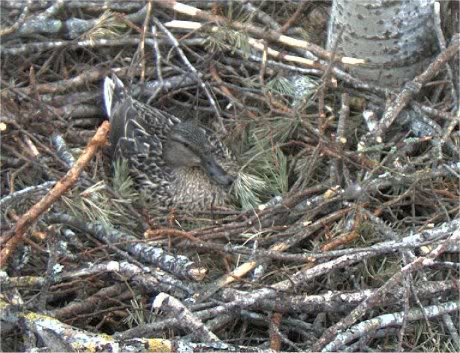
x: 216, y: 172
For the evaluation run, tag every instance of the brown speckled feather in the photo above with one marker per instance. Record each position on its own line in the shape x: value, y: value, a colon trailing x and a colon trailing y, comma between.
x: 139, y: 133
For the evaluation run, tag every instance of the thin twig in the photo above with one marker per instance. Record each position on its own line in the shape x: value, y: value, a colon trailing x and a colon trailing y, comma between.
x: 175, y: 43
x: 26, y: 220
x: 414, y: 86
x: 142, y: 42
x: 20, y: 21
x: 261, y: 32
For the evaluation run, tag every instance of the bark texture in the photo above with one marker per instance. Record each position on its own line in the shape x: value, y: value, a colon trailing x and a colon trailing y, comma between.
x: 396, y: 37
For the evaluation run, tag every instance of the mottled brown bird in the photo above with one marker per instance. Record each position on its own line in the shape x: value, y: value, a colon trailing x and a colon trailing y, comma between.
x: 174, y: 163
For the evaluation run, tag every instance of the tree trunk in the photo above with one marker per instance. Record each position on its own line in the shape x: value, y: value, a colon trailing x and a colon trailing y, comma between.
x: 396, y: 37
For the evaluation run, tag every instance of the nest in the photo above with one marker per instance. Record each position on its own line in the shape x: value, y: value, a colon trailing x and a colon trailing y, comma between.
x: 342, y: 234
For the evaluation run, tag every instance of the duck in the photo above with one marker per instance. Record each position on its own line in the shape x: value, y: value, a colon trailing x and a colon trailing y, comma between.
x: 174, y: 163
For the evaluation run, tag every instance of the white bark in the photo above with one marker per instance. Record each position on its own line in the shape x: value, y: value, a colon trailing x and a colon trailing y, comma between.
x: 396, y: 37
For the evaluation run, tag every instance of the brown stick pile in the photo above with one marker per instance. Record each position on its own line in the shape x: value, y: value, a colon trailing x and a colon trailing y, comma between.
x: 344, y: 234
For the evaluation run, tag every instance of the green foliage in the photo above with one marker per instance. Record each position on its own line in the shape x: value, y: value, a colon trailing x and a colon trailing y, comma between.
x: 248, y: 189
x: 280, y: 85
x: 273, y: 166
x: 138, y: 315
x: 93, y: 204
x: 225, y: 39
x: 266, y: 164
x: 108, y: 26
x: 299, y: 88
x: 96, y: 204
x: 122, y: 181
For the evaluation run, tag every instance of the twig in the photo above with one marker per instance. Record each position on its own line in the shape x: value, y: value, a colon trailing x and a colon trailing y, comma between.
x: 103, y: 298
x: 258, y: 44
x: 300, y: 9
x: 157, y: 51
x: 358, y: 312
x: 442, y: 46
x: 281, y: 246
x: 75, y: 82
x: 330, y: 301
x: 52, y: 271
x: 22, y: 194
x: 26, y: 220
x: 188, y: 320
x: 261, y: 32
x: 261, y: 15
x: 75, y: 337
x: 72, y: 27
x: 51, y: 11
x: 228, y: 93
x: 275, y: 322
x: 179, y: 265
x: 142, y: 42
x: 20, y: 21
x: 340, y: 137
x: 410, y: 242
x: 62, y: 151
x: 414, y: 86
x: 175, y: 43
x: 386, y: 320
x: 93, y: 43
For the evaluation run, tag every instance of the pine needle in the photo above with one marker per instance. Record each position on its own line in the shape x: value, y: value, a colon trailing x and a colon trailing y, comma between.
x: 122, y: 181
x: 226, y: 39
x: 280, y: 85
x: 248, y: 189
x: 108, y: 26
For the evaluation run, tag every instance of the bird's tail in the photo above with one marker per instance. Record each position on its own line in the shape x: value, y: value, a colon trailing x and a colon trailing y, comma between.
x: 114, y: 91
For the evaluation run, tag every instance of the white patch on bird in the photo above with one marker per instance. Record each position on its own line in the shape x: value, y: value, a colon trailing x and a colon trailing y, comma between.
x: 109, y: 85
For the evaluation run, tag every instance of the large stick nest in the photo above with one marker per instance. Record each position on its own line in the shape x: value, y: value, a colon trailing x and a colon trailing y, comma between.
x: 334, y: 240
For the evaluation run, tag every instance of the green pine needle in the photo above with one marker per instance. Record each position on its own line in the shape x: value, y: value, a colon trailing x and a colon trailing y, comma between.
x: 122, y: 181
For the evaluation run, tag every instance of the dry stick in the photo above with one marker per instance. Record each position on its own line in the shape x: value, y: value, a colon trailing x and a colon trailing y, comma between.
x: 447, y: 130
x: 414, y: 86
x: 419, y: 263
x: 75, y: 337
x: 274, y: 325
x: 366, y: 328
x: 157, y: 51
x: 102, y: 299
x: 341, y: 139
x: 142, y: 42
x: 184, y: 59
x: 75, y: 82
x: 258, y: 44
x: 169, y: 232
x: 260, y: 32
x: 20, y: 20
x: 227, y: 91
x: 56, y: 192
x: 188, y: 319
x: 51, y: 11
x: 28, y: 48
x: 281, y: 246
x: 260, y: 15
x: 294, y: 17
x: 442, y: 46
x: 449, y: 126
x: 322, y: 89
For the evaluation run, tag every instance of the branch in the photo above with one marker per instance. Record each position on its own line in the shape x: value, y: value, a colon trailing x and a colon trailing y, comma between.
x: 56, y: 192
x: 263, y: 33
x: 414, y: 86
